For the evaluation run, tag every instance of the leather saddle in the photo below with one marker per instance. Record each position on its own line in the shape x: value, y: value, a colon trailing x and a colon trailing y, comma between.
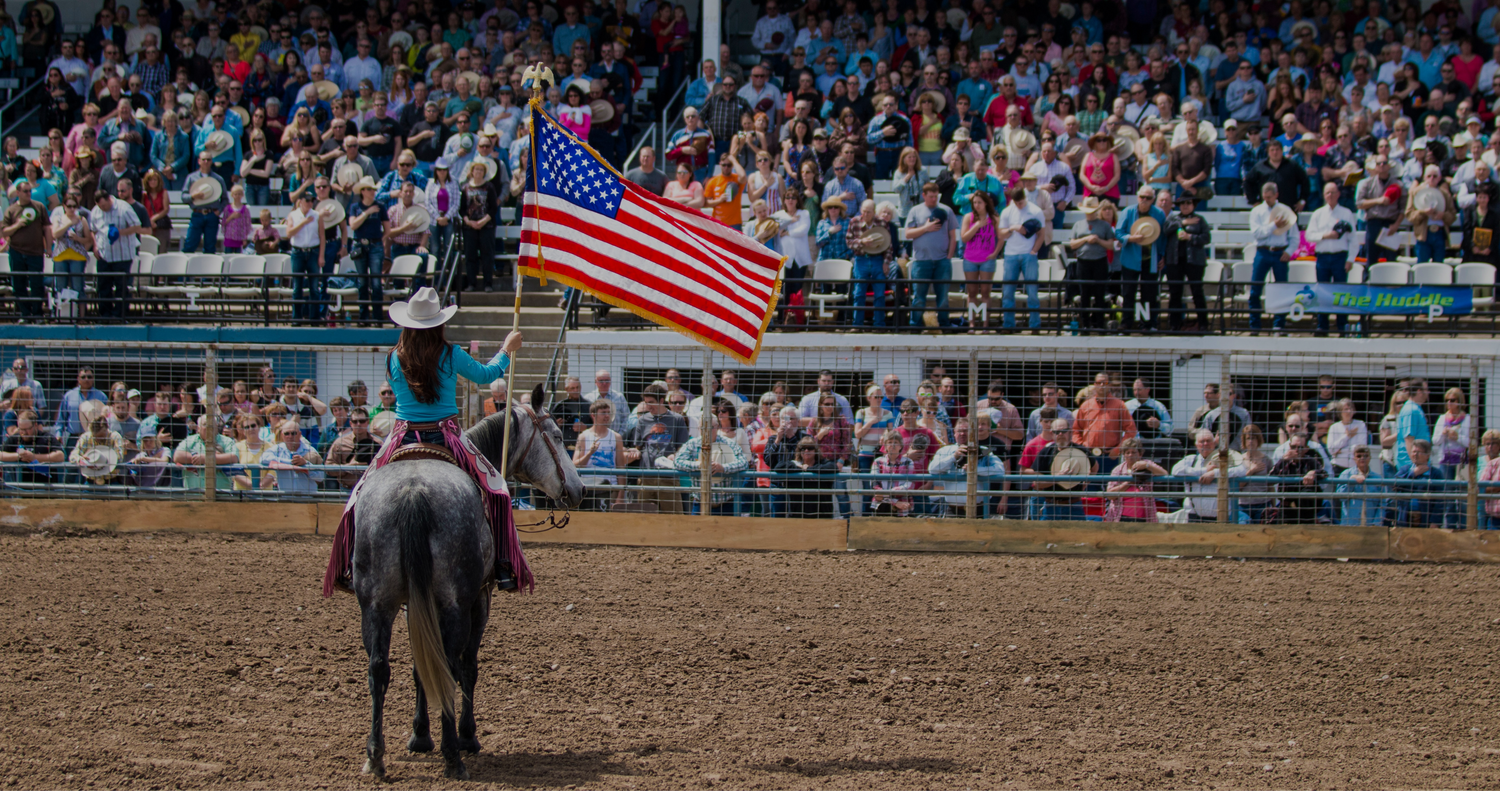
x: 423, y: 450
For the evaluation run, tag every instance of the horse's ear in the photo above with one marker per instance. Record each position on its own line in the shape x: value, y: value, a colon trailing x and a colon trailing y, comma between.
x: 539, y: 398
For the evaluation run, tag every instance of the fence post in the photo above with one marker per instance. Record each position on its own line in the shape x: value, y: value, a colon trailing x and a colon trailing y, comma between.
x: 1223, y: 480
x: 710, y: 427
x: 1472, y: 462
x: 211, y: 418
x: 971, y: 496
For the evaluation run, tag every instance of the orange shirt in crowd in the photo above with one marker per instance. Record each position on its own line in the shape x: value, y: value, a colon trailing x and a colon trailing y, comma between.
x: 717, y: 187
x: 1104, y: 425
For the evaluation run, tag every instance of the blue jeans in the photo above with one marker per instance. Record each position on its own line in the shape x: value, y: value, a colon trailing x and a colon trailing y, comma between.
x: 1020, y: 267
x: 368, y: 268
x: 1331, y: 270
x: 1433, y: 248
x: 203, y: 230
x: 26, y: 280
x: 1265, y: 261
x: 69, y: 274
x: 925, y: 275
x: 258, y: 194
x: 304, y: 267
x: 869, y: 275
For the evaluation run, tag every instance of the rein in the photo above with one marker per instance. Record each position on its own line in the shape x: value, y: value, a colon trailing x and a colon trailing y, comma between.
x: 551, y: 521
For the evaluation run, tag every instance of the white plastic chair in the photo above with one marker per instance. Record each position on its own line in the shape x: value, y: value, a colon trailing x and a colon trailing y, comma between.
x: 407, y: 266
x: 247, y: 269
x: 167, y: 265
x: 1477, y: 276
x: 1432, y: 274
x: 830, y: 270
x: 150, y: 244
x: 1389, y: 274
x: 1302, y: 272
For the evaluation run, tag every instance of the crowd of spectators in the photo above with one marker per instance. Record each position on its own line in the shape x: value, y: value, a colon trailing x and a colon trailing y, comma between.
x: 1321, y: 446
x: 271, y: 430
x: 1379, y: 111
x: 214, y: 104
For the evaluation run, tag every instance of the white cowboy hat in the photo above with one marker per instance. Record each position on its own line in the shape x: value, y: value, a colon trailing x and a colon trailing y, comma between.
x: 217, y: 143
x: 98, y: 461
x: 489, y: 165
x: 422, y: 311
x: 365, y: 183
x: 1070, y: 461
x: 400, y: 37
x: 205, y: 191
x: 242, y: 113
x: 332, y: 211
x: 348, y: 173
x: 415, y: 218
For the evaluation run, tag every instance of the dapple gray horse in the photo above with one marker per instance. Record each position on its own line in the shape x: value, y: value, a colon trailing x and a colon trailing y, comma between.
x: 423, y: 540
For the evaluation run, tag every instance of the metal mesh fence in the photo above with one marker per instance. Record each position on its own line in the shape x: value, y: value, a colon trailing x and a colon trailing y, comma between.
x: 1061, y: 432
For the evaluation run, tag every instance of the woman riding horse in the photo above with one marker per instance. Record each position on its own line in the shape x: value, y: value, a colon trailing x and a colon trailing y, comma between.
x: 423, y: 370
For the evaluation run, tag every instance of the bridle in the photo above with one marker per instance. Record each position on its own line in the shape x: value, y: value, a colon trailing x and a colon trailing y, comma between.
x: 538, y: 428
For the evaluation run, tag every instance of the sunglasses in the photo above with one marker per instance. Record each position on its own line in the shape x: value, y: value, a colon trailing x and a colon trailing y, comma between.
x: 358, y: 422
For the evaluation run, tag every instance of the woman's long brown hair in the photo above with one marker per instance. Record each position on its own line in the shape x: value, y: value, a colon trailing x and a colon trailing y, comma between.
x: 422, y: 353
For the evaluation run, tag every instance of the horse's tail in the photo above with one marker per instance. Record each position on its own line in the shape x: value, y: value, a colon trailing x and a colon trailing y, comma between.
x: 417, y: 521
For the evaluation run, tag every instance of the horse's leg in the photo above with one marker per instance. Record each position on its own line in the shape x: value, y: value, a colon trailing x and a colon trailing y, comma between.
x: 455, y: 628
x: 479, y: 615
x: 421, y: 734
x: 376, y: 629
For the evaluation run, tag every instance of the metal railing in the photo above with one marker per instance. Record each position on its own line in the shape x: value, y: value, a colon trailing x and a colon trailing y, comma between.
x: 25, y: 94
x: 1058, y: 310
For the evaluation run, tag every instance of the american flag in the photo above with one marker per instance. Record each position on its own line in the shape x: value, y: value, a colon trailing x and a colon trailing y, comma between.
x: 588, y: 227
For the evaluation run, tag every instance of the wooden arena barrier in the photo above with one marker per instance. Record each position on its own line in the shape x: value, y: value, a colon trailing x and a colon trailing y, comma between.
x: 1445, y: 546
x: 803, y: 535
x: 709, y: 532
x: 141, y: 516
x: 1099, y: 538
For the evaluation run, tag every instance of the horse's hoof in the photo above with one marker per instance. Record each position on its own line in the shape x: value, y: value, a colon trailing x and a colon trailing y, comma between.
x: 469, y: 745
x: 419, y: 744
x: 457, y: 771
x: 375, y: 767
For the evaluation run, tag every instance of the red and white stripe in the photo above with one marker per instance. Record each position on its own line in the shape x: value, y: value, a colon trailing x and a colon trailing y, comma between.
x: 661, y: 261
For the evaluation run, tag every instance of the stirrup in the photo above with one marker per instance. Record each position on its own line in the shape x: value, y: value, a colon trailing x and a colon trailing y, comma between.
x: 505, y: 577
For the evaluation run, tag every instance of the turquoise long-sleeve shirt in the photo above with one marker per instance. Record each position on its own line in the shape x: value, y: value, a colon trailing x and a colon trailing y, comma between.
x: 455, y: 364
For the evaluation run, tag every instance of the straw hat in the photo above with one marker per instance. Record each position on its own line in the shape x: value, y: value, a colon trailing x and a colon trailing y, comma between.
x: 939, y: 101
x: 205, y: 191
x: 834, y: 203
x: 400, y: 37
x: 1070, y: 461
x: 217, y: 143
x: 1147, y: 228
x: 332, y: 211
x: 327, y: 89
x: 242, y: 113
x: 472, y: 77
x: 603, y: 110
x: 365, y: 183
x: 422, y: 311
x: 1091, y: 206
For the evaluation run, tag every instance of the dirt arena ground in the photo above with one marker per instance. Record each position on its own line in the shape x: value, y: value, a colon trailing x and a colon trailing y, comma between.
x: 177, y: 661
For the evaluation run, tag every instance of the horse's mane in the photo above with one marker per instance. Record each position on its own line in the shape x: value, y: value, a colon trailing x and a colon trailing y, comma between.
x: 489, y: 434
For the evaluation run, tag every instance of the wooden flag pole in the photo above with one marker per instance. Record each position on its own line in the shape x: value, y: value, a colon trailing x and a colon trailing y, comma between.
x: 537, y: 74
